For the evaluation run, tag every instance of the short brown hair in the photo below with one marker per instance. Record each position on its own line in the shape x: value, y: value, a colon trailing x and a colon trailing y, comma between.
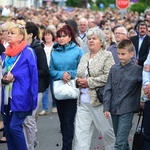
x: 126, y: 44
x: 142, y: 24
x: 47, y: 31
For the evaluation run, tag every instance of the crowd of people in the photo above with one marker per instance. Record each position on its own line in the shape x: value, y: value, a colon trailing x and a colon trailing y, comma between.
x: 95, y: 49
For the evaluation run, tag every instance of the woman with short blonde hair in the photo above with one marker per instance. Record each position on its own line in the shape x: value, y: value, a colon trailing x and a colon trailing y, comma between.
x: 20, y: 86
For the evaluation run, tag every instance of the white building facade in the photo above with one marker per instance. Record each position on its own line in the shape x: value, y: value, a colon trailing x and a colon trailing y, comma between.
x: 22, y: 3
x: 29, y: 3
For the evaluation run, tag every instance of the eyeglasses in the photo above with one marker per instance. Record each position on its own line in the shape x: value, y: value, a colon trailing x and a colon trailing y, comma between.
x: 4, y: 31
x: 119, y: 33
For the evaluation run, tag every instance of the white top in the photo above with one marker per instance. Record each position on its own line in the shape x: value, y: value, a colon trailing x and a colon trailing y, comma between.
x: 48, y: 50
x: 84, y: 91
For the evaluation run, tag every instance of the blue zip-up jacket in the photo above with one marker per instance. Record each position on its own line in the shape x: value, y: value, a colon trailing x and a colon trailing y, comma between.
x: 65, y: 59
x: 25, y: 86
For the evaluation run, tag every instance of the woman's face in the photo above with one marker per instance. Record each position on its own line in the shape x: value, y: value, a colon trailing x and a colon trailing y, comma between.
x: 48, y: 38
x: 108, y: 36
x: 5, y: 34
x: 63, y: 39
x: 94, y: 43
x: 14, y: 37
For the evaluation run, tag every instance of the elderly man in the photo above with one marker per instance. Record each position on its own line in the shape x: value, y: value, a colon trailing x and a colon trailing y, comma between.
x: 83, y: 28
x: 120, y: 33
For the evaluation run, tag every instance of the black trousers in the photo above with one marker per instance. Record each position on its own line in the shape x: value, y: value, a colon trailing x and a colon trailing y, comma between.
x: 147, y: 126
x: 66, y: 112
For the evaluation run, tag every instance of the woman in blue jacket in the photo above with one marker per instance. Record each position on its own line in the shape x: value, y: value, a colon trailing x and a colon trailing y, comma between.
x: 65, y: 57
x: 20, y: 86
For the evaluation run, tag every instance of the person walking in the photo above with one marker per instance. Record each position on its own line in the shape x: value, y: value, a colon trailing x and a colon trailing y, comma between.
x: 65, y: 57
x: 20, y: 86
x: 30, y: 125
x: 122, y: 93
x: 48, y: 40
x: 146, y: 89
x: 92, y: 73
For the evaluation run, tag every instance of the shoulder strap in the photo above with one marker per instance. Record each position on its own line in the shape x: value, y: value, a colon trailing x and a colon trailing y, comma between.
x: 88, y: 69
x: 140, y: 115
x: 14, y: 62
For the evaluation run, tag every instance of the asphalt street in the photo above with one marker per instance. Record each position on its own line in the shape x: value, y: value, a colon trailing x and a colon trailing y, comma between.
x: 49, y: 135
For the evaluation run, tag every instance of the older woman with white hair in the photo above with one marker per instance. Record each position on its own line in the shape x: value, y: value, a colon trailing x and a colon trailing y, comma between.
x: 92, y: 72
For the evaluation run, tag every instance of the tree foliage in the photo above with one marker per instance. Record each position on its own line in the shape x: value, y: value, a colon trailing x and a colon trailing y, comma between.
x: 146, y: 2
x: 140, y: 6
x: 73, y: 3
x: 106, y: 3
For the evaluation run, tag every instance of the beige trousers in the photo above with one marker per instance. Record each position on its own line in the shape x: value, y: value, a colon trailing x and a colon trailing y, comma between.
x: 30, y: 126
x: 87, y: 118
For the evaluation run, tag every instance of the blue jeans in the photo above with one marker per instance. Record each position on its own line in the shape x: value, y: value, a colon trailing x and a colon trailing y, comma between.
x: 66, y: 112
x: 122, y: 125
x: 46, y: 97
x: 14, y: 131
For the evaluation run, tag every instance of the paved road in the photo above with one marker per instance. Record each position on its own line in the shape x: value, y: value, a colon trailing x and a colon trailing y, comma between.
x: 49, y: 135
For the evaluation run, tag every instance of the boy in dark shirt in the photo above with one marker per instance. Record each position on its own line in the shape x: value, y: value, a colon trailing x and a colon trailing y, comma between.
x: 122, y: 93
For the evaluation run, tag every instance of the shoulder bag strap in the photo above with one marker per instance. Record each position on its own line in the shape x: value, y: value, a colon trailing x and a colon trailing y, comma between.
x: 140, y: 115
x: 88, y: 69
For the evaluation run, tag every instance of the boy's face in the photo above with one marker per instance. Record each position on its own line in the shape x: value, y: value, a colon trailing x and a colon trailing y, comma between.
x: 124, y: 56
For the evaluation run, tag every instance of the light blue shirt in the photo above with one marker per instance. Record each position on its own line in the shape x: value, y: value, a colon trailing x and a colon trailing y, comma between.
x: 146, y: 74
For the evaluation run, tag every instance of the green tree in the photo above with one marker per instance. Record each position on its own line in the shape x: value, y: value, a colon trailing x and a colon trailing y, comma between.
x: 106, y: 3
x: 140, y: 6
x: 73, y: 3
x: 147, y: 2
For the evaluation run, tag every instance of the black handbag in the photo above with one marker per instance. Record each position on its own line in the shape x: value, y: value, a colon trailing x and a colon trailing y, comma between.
x: 99, y: 90
x: 138, y: 138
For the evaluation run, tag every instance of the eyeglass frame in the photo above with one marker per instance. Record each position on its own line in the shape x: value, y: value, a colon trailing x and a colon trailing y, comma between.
x: 119, y: 33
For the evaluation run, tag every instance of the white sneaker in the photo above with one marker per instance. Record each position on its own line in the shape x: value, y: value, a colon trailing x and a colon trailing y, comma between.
x: 43, y: 112
x: 54, y: 110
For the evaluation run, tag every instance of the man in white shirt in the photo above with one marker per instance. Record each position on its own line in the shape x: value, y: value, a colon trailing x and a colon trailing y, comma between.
x: 141, y: 43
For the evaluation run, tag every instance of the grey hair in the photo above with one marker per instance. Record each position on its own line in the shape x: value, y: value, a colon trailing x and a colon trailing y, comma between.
x: 83, y: 20
x: 123, y: 28
x: 52, y: 28
x: 101, y: 35
x: 147, y: 10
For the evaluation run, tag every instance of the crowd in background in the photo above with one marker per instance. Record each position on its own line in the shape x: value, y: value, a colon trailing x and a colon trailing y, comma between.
x: 54, y: 15
x: 45, y: 27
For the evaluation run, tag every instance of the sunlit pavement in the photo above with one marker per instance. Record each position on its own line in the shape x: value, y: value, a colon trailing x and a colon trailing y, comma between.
x: 49, y: 135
